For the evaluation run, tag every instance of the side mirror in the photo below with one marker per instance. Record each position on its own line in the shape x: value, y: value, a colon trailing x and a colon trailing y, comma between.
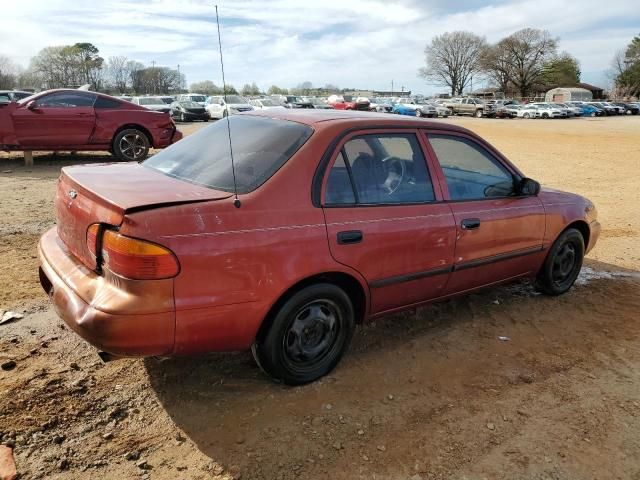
x: 528, y: 186
x: 31, y: 105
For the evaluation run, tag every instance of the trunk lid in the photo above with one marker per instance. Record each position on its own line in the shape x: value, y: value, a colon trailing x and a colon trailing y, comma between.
x: 106, y: 193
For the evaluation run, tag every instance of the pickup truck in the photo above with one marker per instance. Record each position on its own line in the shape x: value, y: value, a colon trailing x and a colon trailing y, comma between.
x: 469, y: 106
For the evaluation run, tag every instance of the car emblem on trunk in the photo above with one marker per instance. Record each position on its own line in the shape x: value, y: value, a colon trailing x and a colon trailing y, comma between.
x: 72, y: 194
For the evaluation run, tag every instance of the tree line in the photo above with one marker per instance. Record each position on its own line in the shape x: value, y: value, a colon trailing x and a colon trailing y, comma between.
x: 523, y: 63
x: 81, y: 64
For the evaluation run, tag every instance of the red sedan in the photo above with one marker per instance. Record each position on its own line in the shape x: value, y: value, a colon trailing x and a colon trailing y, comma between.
x: 340, y: 217
x: 78, y: 120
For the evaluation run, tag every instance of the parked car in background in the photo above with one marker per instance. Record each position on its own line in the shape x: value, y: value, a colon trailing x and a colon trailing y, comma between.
x: 193, y: 97
x: 618, y: 109
x: 157, y: 104
x: 157, y: 259
x: 348, y: 102
x: 381, y: 105
x: 218, y: 107
x: 74, y: 120
x: 320, y: 103
x: 608, y: 109
x: 587, y: 108
x: 628, y: 108
x: 552, y: 107
x: 188, y: 111
x: 513, y: 109
x: 126, y: 98
x: 13, y: 95
x: 426, y: 110
x: 295, y: 101
x: 264, y: 104
x: 405, y: 106
x: 550, y: 111
x: 528, y: 111
x: 573, y: 110
x: 470, y: 106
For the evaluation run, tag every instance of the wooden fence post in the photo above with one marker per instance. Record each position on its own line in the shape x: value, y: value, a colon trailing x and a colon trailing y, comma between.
x: 28, y: 159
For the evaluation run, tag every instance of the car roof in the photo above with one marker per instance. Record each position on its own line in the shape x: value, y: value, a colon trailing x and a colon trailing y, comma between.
x: 313, y: 117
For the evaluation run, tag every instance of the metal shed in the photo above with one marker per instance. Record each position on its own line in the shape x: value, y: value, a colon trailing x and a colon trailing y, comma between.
x: 568, y: 94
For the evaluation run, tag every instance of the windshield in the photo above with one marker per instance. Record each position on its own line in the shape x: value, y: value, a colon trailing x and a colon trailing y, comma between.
x: 198, y: 98
x: 268, y: 103
x: 151, y: 101
x: 260, y: 147
x: 235, y: 99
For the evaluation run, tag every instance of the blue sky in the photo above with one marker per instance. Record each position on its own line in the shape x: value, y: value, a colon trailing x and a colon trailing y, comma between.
x: 349, y: 43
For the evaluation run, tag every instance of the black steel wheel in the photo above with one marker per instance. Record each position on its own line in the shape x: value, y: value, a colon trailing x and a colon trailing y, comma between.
x: 563, y: 263
x: 131, y: 145
x: 307, y: 336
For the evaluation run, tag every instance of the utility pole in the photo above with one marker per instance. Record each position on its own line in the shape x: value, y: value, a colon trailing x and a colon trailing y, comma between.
x: 179, y: 80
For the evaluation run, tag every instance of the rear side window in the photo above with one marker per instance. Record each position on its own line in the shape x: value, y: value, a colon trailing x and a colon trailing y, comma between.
x: 260, y: 147
x: 471, y: 172
x: 103, y: 102
x: 380, y: 169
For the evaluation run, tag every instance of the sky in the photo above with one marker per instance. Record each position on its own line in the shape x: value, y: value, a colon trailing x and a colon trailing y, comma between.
x: 363, y: 44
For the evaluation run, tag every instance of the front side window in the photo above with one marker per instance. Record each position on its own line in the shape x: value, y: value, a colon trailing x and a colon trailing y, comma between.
x: 66, y: 100
x: 380, y: 169
x: 260, y: 147
x: 471, y: 172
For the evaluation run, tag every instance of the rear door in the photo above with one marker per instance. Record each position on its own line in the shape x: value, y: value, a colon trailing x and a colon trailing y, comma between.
x: 499, y: 233
x: 384, y: 218
x: 60, y: 118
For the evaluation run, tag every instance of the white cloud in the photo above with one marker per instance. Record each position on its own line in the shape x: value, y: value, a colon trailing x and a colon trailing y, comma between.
x: 359, y: 43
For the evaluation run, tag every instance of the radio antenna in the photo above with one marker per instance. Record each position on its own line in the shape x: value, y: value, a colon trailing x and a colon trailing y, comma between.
x: 236, y: 201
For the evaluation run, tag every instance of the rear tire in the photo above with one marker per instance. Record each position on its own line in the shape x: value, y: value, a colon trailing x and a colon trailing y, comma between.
x: 563, y: 263
x: 131, y: 145
x: 308, y: 335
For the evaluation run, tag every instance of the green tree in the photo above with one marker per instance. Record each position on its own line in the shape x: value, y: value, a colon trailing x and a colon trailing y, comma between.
x: 206, y: 87
x: 627, y: 69
x: 561, y: 71
x: 275, y: 90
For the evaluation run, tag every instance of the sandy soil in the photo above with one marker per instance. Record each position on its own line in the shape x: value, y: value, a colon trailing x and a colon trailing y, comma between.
x: 427, y: 394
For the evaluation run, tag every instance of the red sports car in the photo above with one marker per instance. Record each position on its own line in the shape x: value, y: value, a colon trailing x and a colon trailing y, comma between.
x: 340, y: 217
x: 79, y: 120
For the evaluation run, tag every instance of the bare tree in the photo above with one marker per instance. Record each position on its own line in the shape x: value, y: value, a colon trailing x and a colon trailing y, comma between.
x: 452, y: 59
x: 497, y: 67
x: 118, y: 71
x: 9, y: 73
x: 528, y: 50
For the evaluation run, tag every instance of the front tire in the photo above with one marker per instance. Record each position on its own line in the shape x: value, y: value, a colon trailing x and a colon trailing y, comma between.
x: 478, y: 114
x: 308, y: 336
x: 131, y: 145
x: 563, y: 263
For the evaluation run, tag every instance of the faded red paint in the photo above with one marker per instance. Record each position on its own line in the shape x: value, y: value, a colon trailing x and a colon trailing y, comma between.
x: 235, y: 263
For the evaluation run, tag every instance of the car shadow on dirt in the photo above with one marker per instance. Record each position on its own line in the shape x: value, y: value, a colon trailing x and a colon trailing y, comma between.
x: 414, y: 364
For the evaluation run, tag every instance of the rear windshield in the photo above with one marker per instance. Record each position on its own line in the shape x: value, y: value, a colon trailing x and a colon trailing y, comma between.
x: 260, y: 147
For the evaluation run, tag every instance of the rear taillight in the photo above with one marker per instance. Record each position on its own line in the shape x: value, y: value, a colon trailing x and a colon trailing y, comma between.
x: 131, y: 257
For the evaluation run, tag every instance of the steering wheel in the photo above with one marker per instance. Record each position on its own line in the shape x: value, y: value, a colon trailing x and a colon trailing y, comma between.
x: 396, y: 172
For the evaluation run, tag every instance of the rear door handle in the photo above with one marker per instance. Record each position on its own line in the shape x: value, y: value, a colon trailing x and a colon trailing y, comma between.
x: 470, y: 223
x: 350, y: 236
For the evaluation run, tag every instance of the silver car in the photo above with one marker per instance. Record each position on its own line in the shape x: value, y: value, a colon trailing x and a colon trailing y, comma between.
x: 156, y: 104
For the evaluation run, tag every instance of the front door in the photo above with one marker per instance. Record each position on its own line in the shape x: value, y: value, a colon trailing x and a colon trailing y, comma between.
x: 385, y: 219
x: 57, y: 119
x: 499, y: 234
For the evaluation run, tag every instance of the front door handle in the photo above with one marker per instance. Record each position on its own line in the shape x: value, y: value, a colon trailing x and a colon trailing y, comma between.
x: 470, y: 223
x: 350, y: 236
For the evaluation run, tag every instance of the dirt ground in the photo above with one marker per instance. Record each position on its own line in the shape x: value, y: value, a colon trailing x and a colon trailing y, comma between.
x: 432, y: 394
